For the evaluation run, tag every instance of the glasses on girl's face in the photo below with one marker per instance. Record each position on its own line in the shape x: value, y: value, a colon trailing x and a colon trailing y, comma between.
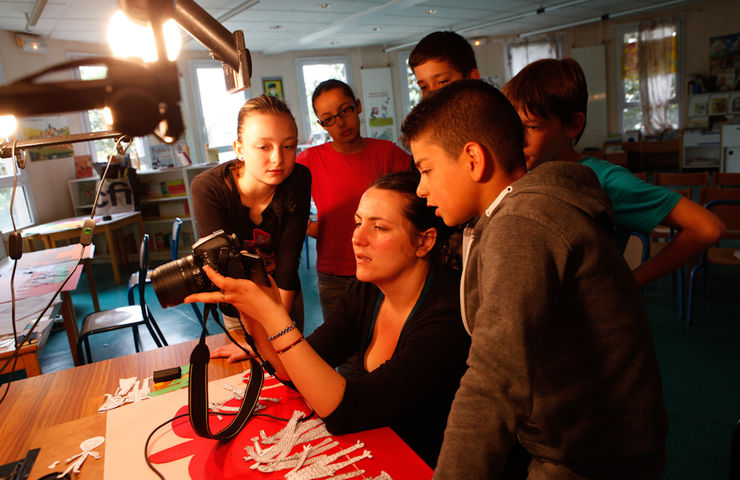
x: 331, y: 120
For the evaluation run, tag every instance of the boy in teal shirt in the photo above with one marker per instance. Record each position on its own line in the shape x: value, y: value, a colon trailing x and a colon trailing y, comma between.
x: 551, y: 96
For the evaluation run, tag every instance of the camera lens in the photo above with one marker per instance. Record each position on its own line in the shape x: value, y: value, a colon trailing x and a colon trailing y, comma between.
x: 177, y: 279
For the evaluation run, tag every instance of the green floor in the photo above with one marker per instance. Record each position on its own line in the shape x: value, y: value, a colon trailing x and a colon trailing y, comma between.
x: 700, y: 363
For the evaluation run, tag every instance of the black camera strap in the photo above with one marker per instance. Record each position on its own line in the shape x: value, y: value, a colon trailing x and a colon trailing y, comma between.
x: 198, y: 389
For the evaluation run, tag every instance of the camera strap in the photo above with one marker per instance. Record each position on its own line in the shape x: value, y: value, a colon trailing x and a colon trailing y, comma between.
x: 198, y: 389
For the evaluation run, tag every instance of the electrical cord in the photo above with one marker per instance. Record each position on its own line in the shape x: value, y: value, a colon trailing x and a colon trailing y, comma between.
x: 88, y: 239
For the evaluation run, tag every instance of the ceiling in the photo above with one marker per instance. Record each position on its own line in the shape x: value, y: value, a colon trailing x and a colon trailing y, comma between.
x: 274, y: 26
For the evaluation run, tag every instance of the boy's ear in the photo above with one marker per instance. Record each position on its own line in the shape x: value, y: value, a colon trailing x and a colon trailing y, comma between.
x: 473, y: 74
x: 576, y: 126
x: 476, y: 162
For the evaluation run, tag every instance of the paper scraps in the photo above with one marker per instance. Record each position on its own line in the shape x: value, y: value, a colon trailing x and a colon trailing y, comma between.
x: 130, y: 390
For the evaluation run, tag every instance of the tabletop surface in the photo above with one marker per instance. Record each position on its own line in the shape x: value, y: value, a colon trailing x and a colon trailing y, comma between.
x: 46, y: 400
x: 75, y: 223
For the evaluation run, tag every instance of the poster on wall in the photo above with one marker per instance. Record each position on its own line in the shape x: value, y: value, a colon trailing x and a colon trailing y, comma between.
x: 45, y: 127
x: 273, y: 86
x: 377, y: 103
x: 724, y: 55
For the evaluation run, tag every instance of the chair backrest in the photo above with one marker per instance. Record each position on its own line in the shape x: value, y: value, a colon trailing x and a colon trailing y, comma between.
x: 641, y: 175
x: 175, y: 240
x: 725, y: 203
x: 143, y: 268
x: 726, y: 179
x: 677, y: 181
x: 699, y: 179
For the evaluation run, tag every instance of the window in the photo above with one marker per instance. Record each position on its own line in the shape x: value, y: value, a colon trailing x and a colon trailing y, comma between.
x: 412, y: 92
x: 23, y: 207
x: 521, y: 54
x: 94, y: 120
x: 311, y: 72
x: 648, y: 57
x: 217, y: 108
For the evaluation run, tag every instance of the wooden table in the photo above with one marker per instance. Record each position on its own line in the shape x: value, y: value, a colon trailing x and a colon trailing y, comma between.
x: 69, y: 228
x: 41, y: 402
x: 64, y: 258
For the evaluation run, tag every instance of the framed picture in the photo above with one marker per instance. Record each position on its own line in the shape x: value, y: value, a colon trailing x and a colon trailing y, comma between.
x: 273, y: 86
x: 719, y: 105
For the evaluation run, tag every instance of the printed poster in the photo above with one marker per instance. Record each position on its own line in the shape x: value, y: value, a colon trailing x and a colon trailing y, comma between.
x: 377, y: 103
x: 45, y: 127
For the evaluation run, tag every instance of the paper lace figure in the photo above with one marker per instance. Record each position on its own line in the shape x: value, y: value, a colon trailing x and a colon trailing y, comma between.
x: 87, y: 447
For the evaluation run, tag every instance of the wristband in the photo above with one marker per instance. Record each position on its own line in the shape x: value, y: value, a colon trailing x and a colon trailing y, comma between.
x: 282, y: 332
x: 283, y: 350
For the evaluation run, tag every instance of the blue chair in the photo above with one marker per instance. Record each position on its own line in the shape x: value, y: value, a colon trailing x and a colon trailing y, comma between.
x: 725, y: 203
x: 130, y: 316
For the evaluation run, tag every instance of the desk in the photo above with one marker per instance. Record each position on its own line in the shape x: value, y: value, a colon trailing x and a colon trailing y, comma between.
x: 652, y: 154
x: 69, y: 228
x: 37, y: 410
x: 54, y: 264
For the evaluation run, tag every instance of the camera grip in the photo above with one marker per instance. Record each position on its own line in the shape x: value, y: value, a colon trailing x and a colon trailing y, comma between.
x: 255, y: 268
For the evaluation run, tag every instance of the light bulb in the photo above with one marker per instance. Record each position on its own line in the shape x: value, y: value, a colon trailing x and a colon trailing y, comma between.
x: 130, y: 39
x: 8, y: 124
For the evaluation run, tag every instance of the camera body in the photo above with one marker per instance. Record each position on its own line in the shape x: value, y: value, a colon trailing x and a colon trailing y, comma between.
x: 179, y: 278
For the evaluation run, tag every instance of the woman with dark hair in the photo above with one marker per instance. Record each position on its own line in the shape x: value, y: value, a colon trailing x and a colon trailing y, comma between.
x: 401, y: 316
x: 263, y: 197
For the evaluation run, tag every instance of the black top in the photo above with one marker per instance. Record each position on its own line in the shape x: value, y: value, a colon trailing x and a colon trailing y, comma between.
x: 278, y: 239
x: 413, y: 390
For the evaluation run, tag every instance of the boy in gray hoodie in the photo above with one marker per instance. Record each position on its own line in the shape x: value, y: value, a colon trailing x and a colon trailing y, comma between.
x: 562, y: 357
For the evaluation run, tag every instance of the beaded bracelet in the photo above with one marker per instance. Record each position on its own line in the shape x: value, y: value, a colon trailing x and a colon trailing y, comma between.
x: 285, y: 349
x: 282, y: 332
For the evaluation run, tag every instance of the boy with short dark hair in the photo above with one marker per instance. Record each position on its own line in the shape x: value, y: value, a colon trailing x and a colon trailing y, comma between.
x: 441, y: 58
x: 562, y: 357
x: 551, y: 97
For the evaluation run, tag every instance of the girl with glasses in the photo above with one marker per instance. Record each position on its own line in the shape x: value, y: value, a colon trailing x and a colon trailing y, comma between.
x: 342, y: 170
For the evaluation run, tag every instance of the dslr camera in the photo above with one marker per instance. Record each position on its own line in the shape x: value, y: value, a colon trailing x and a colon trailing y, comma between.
x: 179, y: 278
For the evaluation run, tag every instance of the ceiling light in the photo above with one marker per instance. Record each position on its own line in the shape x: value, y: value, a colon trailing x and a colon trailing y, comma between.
x: 333, y: 42
x: 377, y: 29
x: 275, y: 27
x: 30, y: 43
x: 431, y: 11
x: 477, y: 42
x: 324, y: 5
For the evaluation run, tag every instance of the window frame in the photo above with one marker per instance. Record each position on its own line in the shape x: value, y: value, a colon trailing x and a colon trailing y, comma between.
x: 403, y: 69
x: 621, y: 31
x: 200, y: 133
x: 305, y: 120
x: 24, y: 181
x: 557, y: 39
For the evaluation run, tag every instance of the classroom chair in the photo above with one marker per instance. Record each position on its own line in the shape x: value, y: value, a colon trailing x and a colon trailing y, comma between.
x: 642, y: 176
x: 726, y: 179
x: 679, y: 181
x: 133, y: 281
x: 130, y: 316
x: 725, y: 203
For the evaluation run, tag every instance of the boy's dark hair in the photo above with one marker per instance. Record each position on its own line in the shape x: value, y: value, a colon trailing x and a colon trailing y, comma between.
x: 327, y: 85
x: 444, y: 46
x: 469, y: 111
x: 550, y: 88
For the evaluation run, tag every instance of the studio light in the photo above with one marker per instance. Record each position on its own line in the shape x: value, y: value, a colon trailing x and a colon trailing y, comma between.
x: 128, y: 38
x: 8, y: 124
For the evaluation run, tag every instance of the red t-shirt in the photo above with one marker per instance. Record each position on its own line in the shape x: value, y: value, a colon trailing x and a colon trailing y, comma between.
x: 338, y: 181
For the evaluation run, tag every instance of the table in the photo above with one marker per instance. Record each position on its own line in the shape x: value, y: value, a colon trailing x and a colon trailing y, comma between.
x: 54, y: 265
x: 69, y: 228
x: 49, y: 410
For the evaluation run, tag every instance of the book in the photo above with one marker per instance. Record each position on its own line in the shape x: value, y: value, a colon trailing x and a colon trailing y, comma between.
x: 83, y: 166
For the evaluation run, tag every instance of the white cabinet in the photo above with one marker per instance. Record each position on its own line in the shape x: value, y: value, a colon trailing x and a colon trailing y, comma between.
x: 699, y: 149
x: 730, y: 148
x: 82, y: 193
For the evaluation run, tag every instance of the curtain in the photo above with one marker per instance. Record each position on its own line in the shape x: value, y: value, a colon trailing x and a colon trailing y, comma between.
x: 657, y: 72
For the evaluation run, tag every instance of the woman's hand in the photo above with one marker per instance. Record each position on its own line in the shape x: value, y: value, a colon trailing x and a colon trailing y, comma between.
x: 248, y: 297
x: 232, y: 353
